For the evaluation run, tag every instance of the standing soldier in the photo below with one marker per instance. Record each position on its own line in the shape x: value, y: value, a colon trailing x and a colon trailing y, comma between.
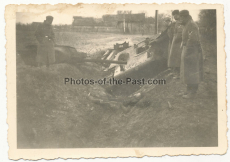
x: 174, y: 58
x: 191, y: 72
x: 170, y: 32
x: 164, y: 41
x: 45, y: 36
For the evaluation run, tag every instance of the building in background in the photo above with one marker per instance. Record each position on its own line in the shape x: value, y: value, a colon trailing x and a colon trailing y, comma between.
x: 120, y: 22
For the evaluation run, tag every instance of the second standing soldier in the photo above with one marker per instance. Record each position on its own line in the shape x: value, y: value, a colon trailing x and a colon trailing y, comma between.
x: 174, y: 58
x: 164, y: 40
x: 191, y: 72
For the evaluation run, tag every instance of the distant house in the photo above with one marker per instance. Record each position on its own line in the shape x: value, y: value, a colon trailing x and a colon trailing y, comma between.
x: 131, y: 17
x: 120, y: 22
x: 131, y: 23
x: 126, y: 22
x: 127, y: 17
x: 83, y: 21
x: 110, y: 20
x: 99, y: 22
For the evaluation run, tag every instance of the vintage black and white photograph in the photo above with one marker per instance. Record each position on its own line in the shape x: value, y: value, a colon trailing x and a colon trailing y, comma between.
x: 117, y: 76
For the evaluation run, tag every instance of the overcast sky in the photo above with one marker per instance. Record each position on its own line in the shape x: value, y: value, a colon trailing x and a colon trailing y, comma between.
x: 65, y: 16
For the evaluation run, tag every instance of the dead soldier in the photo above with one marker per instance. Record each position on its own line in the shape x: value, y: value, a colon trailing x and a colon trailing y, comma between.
x: 191, y: 72
x: 174, y: 59
x: 45, y: 37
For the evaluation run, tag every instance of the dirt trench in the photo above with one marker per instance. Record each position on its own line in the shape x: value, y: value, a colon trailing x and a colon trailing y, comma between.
x: 51, y: 114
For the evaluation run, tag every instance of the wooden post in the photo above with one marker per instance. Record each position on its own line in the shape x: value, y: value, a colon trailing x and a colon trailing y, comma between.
x: 156, y: 22
x: 124, y: 25
x: 131, y: 27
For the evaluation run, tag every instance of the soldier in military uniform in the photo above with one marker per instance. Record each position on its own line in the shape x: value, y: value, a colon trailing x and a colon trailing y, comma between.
x: 191, y: 69
x: 164, y: 41
x: 45, y: 37
x: 174, y: 58
x: 170, y: 32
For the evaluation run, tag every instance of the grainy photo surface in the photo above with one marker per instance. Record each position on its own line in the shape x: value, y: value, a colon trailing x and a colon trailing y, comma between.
x: 121, y: 77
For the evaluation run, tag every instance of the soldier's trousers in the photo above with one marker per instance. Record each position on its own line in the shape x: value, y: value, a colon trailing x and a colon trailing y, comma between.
x: 45, y: 52
x: 192, y: 88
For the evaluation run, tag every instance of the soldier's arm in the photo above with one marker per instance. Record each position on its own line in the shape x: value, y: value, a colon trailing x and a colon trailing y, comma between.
x: 52, y: 33
x: 177, y: 33
x: 38, y: 33
x: 193, y: 36
x: 172, y: 30
x: 161, y: 38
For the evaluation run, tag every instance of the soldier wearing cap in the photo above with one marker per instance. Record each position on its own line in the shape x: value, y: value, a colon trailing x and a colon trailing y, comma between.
x: 191, y: 69
x: 174, y: 58
x: 45, y: 37
x: 170, y: 31
x: 165, y: 39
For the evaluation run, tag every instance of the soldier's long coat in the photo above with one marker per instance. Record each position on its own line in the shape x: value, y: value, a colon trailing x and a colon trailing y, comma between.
x: 174, y: 59
x: 163, y: 42
x: 170, y: 33
x: 192, y: 57
x: 45, y: 51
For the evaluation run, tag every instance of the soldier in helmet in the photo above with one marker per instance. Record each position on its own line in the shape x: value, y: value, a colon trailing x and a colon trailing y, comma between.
x: 191, y: 69
x: 174, y: 58
x: 45, y: 37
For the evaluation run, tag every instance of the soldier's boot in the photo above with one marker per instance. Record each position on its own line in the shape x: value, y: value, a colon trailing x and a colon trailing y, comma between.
x: 189, y: 95
x: 47, y: 64
x: 182, y: 93
x: 191, y: 89
x: 176, y: 77
x: 176, y: 72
